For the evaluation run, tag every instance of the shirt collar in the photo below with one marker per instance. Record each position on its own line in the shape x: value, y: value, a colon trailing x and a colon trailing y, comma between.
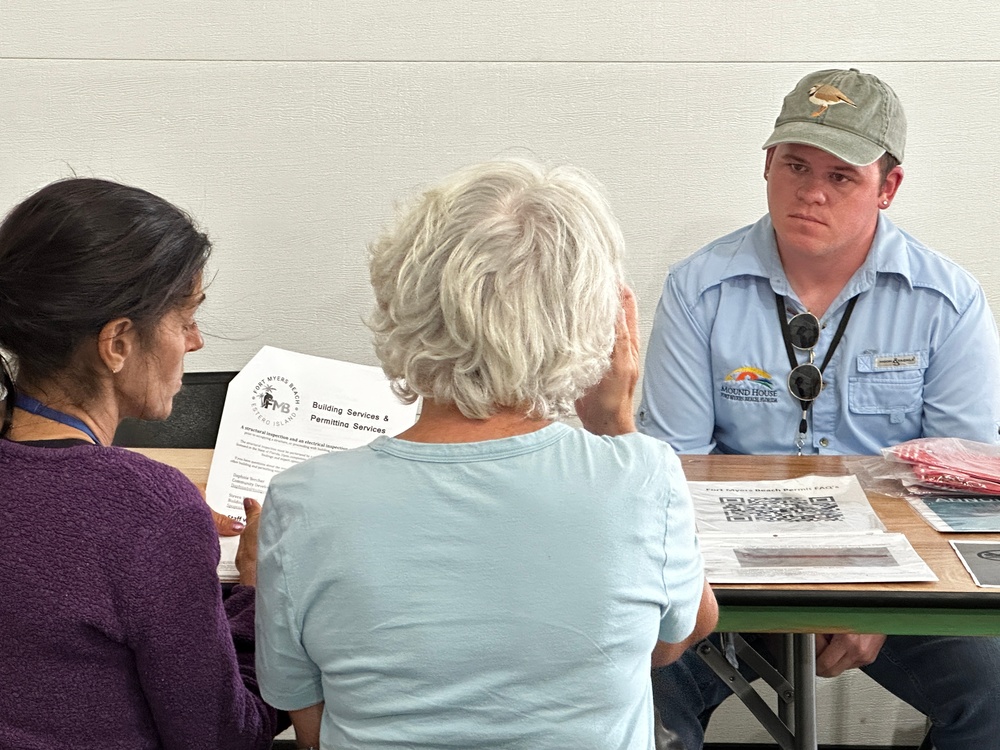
x: 888, y: 255
x: 757, y: 256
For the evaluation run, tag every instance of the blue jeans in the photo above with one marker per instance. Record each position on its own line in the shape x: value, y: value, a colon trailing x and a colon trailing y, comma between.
x: 954, y: 681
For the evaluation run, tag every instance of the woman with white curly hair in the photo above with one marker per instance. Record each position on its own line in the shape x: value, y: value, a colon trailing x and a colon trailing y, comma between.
x: 491, y: 577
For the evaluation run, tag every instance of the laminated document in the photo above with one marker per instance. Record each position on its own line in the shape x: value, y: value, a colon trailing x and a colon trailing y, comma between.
x: 811, y: 529
x: 982, y: 560
x: 959, y: 513
x: 285, y: 407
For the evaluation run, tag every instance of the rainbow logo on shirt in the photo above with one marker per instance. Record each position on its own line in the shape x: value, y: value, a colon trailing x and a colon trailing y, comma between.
x: 757, y: 377
x: 748, y: 385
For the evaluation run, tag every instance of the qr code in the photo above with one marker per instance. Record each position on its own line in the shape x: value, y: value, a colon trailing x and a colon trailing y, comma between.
x: 816, y: 508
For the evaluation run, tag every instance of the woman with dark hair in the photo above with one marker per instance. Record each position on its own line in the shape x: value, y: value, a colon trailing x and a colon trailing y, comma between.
x: 115, y: 632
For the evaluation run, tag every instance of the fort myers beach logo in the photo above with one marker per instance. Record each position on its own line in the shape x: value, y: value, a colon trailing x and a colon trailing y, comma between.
x: 275, y: 400
x: 749, y: 384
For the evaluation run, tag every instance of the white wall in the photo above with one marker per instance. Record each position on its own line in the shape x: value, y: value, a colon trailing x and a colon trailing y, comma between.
x: 288, y: 128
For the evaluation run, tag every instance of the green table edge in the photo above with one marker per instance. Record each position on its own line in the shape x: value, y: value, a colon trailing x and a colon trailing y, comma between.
x: 888, y: 620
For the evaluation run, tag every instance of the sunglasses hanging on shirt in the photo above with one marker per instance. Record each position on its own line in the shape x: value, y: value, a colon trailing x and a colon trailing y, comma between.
x: 805, y: 381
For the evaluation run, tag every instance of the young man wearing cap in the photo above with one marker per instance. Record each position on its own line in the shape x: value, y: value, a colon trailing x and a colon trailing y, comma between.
x: 823, y: 328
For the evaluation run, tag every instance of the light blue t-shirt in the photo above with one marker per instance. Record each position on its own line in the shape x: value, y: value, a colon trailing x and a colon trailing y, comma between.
x: 919, y: 358
x: 499, y: 594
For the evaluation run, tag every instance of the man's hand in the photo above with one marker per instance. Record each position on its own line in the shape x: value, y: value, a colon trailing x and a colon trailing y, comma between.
x: 246, y: 553
x: 838, y: 653
x: 606, y: 409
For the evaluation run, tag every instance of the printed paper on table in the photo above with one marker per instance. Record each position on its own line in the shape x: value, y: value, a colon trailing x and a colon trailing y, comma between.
x: 982, y: 560
x: 959, y: 513
x: 808, y: 530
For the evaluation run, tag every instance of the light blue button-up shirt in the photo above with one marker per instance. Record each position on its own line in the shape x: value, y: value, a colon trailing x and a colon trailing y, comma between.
x: 920, y: 356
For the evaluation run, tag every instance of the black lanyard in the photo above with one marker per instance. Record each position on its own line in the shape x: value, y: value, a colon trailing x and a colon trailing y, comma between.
x: 29, y: 404
x: 794, y: 362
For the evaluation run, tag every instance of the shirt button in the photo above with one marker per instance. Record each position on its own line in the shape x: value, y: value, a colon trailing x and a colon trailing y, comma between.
x: 824, y: 442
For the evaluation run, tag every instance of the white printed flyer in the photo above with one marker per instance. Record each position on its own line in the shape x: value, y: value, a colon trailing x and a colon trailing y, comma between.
x: 285, y: 407
x: 812, y: 529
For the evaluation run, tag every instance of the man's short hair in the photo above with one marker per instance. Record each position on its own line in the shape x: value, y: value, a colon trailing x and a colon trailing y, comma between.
x: 886, y: 164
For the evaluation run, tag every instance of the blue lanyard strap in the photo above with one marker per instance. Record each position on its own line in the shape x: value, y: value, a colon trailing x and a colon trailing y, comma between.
x: 21, y: 401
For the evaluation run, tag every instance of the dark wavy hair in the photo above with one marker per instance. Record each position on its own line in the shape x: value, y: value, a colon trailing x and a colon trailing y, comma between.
x: 79, y: 253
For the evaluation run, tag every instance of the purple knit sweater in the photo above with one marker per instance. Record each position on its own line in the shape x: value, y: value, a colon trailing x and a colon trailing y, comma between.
x: 113, y: 632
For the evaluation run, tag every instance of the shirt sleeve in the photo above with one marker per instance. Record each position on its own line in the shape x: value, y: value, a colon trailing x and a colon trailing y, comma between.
x: 289, y: 679
x: 962, y: 381
x: 683, y: 569
x: 677, y: 398
x: 199, y: 693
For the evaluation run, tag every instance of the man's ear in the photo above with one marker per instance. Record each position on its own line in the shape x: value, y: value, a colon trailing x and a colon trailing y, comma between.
x: 116, y: 342
x: 892, y: 182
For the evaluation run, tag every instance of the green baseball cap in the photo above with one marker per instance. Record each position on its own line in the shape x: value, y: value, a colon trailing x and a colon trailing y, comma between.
x: 850, y: 114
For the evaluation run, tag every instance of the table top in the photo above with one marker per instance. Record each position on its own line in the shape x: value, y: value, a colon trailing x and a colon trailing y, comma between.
x: 194, y: 462
x: 951, y: 605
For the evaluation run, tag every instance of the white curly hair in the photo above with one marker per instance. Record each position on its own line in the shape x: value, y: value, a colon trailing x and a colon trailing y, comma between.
x: 499, y: 287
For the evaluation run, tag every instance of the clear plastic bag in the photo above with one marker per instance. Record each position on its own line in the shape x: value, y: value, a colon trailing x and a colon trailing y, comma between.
x: 933, y: 466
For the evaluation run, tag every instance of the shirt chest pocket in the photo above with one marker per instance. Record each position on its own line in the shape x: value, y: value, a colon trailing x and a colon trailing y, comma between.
x: 887, y: 385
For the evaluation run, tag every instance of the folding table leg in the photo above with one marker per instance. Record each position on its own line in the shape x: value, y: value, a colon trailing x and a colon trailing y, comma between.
x: 804, y: 652
x: 718, y: 663
x: 786, y: 664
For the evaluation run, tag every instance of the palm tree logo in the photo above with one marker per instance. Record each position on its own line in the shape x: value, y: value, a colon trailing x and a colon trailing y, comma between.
x: 267, y: 397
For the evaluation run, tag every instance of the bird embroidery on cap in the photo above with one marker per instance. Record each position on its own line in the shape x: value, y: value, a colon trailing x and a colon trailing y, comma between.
x: 825, y: 96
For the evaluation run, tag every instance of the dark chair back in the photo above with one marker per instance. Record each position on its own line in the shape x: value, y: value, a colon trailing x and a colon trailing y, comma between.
x: 194, y: 421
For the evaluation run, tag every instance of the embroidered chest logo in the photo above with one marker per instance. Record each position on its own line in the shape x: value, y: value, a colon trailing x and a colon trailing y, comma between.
x: 749, y: 384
